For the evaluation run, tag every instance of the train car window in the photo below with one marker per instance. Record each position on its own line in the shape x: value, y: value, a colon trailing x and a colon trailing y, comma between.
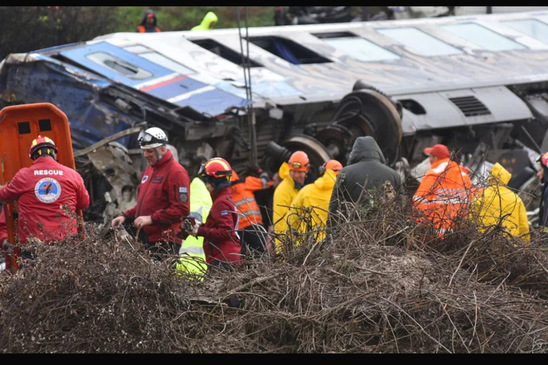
x: 356, y: 47
x: 482, y: 36
x: 119, y: 66
x: 288, y: 50
x: 532, y: 28
x: 159, y: 59
x: 419, y: 42
x: 224, y: 52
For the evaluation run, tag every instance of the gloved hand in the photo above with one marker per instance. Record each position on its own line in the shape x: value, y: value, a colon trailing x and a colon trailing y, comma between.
x: 7, y: 247
x: 264, y: 176
x: 191, y: 226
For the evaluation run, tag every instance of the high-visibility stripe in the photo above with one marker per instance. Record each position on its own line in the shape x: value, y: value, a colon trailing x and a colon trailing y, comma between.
x: 193, y: 250
x: 244, y: 201
x: 247, y: 213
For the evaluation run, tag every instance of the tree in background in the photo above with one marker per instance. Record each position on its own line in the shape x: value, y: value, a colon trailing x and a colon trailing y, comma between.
x: 29, y: 28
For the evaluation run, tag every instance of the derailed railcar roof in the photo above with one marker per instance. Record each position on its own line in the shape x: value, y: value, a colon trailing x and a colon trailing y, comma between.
x: 430, y: 60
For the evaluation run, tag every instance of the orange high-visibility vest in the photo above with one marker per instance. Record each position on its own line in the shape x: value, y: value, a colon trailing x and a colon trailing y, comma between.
x: 244, y: 198
x: 443, y: 195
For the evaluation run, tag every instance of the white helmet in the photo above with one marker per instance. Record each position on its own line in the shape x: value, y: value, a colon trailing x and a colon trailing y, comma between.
x: 152, y: 138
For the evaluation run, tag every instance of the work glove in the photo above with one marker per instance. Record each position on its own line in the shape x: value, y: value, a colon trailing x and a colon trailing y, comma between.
x: 190, y: 226
x: 264, y: 176
x: 7, y: 247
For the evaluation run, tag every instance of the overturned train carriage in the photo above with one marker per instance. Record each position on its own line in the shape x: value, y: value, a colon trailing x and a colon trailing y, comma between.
x: 475, y: 83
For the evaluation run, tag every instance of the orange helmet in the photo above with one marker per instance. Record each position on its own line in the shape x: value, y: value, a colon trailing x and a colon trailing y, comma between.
x: 334, y: 165
x: 40, y: 143
x: 234, y: 176
x: 216, y: 167
x: 299, y: 161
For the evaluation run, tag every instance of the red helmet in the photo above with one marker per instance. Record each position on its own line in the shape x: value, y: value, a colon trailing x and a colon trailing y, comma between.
x: 543, y: 159
x: 298, y: 161
x: 216, y: 167
x: 39, y: 143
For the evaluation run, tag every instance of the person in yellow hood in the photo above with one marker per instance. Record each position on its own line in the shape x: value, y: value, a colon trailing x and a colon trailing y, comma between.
x: 208, y: 22
x: 497, y: 205
x: 293, y: 175
x: 311, y: 205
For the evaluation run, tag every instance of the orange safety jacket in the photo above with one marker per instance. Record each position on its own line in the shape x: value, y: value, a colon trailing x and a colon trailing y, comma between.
x: 443, y: 195
x: 142, y: 29
x: 244, y: 199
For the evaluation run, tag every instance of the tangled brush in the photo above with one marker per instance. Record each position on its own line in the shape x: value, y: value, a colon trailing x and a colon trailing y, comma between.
x: 378, y: 283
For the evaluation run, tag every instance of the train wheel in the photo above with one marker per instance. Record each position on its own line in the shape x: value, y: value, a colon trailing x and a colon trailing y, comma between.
x: 316, y: 151
x: 367, y: 112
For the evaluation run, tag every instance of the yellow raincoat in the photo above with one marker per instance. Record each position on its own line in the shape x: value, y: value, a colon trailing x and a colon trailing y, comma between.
x: 311, y: 206
x: 283, y: 197
x: 498, y: 205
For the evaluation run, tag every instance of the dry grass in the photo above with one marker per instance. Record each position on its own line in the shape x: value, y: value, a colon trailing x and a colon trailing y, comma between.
x: 375, y: 285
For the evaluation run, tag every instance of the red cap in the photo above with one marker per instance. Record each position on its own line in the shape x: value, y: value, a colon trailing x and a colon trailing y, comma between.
x: 438, y: 150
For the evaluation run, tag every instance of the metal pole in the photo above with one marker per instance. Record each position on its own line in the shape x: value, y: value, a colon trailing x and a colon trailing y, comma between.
x: 249, y: 94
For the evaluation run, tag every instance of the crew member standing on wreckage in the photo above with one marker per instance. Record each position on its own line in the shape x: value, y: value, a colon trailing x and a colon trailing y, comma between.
x: 162, y: 197
x: 48, y: 195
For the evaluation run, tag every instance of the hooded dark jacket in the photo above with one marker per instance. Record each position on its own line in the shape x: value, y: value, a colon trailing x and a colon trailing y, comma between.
x: 543, y: 211
x: 365, y: 171
x: 142, y: 28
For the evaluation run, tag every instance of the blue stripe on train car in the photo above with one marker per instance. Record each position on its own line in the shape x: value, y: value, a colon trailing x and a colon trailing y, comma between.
x: 131, y: 70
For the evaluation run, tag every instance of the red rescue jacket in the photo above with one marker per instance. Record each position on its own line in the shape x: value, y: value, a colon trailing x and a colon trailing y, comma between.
x: 164, y: 195
x: 221, y: 241
x: 48, y: 194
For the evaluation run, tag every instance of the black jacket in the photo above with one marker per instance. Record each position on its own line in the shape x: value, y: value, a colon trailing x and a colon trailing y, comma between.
x: 543, y: 211
x: 365, y: 171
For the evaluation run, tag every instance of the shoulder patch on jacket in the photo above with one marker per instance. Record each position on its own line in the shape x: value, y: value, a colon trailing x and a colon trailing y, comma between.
x: 182, y: 194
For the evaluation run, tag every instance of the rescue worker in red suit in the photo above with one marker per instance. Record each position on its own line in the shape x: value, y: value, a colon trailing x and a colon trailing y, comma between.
x: 251, y: 229
x: 48, y: 195
x: 221, y: 239
x: 148, y: 23
x: 162, y: 197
